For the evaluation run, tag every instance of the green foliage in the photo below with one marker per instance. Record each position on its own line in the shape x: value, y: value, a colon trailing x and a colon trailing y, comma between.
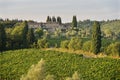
x: 36, y: 72
x: 96, y: 38
x: 42, y: 43
x: 55, y: 41
x: 87, y: 46
x: 64, y: 44
x: 17, y: 63
x: 30, y: 37
x: 74, y: 22
x: 8, y: 38
x: 75, y: 43
x: 17, y: 32
x: 25, y: 31
x: 9, y: 23
x: 113, y: 49
x: 18, y: 36
x: 2, y: 38
x: 111, y: 29
x: 38, y: 33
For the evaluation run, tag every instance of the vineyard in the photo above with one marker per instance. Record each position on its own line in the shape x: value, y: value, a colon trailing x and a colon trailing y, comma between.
x: 13, y: 64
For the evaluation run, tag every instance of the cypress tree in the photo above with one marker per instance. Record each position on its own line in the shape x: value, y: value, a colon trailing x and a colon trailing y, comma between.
x: 30, y: 36
x: 25, y: 31
x: 48, y: 19
x: 96, y: 38
x: 2, y: 38
x: 59, y: 20
x: 53, y: 19
x: 74, y: 22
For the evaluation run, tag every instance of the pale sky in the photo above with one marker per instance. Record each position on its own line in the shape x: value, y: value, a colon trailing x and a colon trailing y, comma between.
x: 38, y: 10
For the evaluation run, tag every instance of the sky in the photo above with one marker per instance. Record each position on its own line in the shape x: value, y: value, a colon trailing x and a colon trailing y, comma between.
x: 38, y: 10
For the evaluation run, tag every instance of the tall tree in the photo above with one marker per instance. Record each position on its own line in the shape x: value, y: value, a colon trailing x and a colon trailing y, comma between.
x: 25, y: 31
x: 30, y: 36
x: 53, y: 19
x: 96, y: 38
x: 59, y: 20
x: 74, y: 22
x: 48, y: 19
x: 2, y: 38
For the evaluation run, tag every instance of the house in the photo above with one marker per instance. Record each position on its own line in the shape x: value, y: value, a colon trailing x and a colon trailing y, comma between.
x: 50, y: 26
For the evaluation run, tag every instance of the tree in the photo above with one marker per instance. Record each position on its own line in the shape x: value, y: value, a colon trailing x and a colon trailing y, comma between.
x: 25, y: 31
x: 113, y: 49
x: 2, y: 38
x: 96, y: 38
x: 30, y: 36
x: 48, y: 19
x: 53, y: 19
x: 74, y: 22
x: 59, y: 20
x: 17, y: 36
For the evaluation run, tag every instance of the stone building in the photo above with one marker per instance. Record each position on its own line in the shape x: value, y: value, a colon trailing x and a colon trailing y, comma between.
x: 50, y: 27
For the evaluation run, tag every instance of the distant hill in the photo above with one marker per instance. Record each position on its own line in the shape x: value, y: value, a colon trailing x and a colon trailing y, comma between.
x: 109, y: 29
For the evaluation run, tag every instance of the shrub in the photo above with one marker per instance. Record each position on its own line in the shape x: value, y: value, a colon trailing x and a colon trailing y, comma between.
x: 64, y: 44
x: 113, y: 49
x: 75, y: 43
x: 75, y: 76
x: 68, y: 78
x: 42, y: 43
x: 87, y: 46
x: 49, y: 77
x: 36, y: 72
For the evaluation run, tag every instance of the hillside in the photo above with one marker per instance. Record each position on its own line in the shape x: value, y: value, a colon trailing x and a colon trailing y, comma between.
x: 62, y: 65
x: 109, y: 29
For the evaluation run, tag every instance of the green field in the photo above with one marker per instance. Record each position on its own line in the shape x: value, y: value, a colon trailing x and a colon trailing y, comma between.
x: 15, y: 63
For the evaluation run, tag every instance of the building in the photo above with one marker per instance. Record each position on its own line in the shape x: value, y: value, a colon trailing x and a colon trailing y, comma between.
x: 50, y: 27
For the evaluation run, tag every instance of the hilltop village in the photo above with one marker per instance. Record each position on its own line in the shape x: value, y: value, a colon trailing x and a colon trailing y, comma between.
x: 51, y: 25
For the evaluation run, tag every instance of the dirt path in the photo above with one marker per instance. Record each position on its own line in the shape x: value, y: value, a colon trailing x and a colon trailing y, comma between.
x: 85, y: 54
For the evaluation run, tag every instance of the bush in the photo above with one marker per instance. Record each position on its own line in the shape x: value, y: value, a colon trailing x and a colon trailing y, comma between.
x: 113, y: 49
x: 64, y: 44
x: 75, y: 76
x: 36, y: 72
x: 49, y: 77
x: 87, y: 46
x: 75, y: 43
x: 42, y: 43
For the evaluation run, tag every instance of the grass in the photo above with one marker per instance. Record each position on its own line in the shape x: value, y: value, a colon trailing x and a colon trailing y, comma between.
x: 60, y: 64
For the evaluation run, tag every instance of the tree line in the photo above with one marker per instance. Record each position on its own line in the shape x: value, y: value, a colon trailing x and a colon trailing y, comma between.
x: 21, y: 36
x: 54, y: 20
x: 17, y: 37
